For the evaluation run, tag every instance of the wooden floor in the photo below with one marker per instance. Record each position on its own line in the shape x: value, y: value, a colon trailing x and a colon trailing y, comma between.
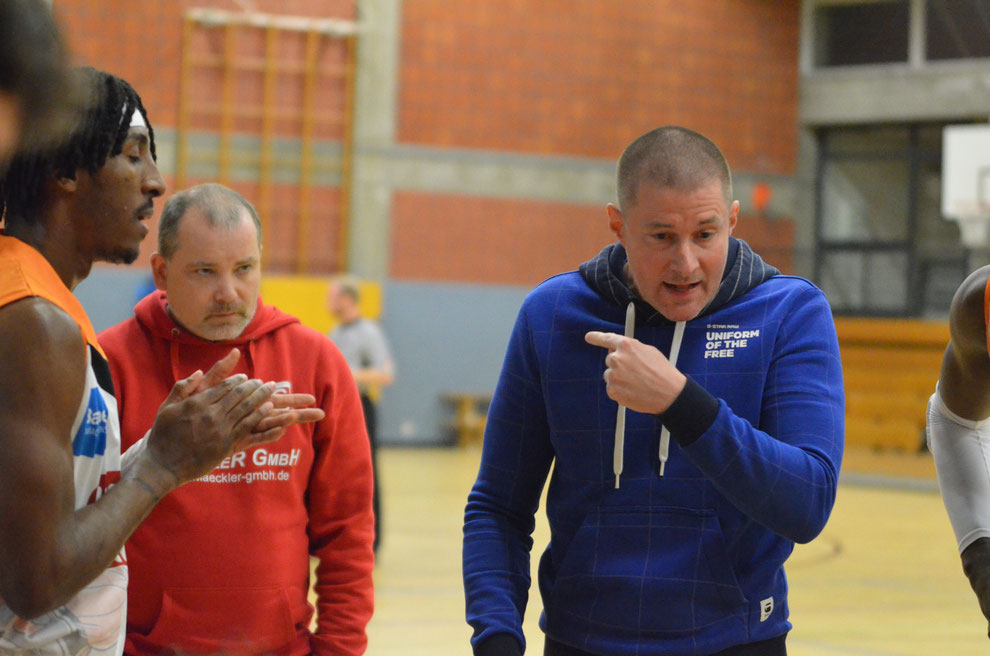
x: 883, y: 579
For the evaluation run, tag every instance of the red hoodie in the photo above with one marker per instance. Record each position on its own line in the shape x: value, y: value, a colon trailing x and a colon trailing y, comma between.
x: 222, y: 563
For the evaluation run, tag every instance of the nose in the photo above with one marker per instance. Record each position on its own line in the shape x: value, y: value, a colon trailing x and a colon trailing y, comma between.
x: 154, y: 184
x: 226, y: 292
x: 685, y: 260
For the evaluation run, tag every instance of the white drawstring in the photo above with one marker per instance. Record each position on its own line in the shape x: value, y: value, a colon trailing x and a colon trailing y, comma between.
x: 675, y: 348
x: 620, y: 418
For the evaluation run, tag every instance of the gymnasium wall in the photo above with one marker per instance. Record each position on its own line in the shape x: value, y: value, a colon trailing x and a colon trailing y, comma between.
x: 485, y: 140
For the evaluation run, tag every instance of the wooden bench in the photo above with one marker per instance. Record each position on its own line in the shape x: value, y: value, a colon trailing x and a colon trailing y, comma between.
x: 889, y: 368
x: 468, y: 413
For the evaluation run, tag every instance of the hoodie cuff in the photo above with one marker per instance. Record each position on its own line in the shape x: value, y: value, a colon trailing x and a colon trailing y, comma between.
x: 691, y: 414
x: 500, y: 644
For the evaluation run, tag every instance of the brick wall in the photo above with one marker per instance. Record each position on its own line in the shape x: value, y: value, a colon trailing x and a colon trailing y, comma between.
x: 578, y: 78
x: 513, y: 242
x: 585, y: 77
x: 141, y: 42
x: 144, y: 45
x: 491, y: 240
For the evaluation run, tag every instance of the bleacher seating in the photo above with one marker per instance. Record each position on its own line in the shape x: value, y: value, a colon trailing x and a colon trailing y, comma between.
x: 890, y: 368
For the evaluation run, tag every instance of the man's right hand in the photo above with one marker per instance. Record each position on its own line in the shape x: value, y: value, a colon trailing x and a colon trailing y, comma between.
x: 194, y: 431
x: 207, y: 417
x: 288, y: 409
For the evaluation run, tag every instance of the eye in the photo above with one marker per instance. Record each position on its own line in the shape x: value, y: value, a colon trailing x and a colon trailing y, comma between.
x: 133, y: 153
x: 203, y: 272
x: 245, y: 268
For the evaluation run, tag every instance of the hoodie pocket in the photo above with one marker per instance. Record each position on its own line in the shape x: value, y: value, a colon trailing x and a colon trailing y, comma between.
x: 660, y: 570
x: 230, y: 620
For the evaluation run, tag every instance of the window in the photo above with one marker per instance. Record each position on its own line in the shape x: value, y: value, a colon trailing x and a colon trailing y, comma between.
x: 868, y: 32
x: 883, y: 248
x: 862, y: 33
x: 957, y: 29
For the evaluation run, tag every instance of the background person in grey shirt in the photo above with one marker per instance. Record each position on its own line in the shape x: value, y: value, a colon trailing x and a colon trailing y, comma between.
x: 365, y: 348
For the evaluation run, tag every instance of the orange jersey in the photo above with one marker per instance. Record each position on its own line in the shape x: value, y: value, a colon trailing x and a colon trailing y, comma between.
x: 25, y: 272
x: 93, y: 621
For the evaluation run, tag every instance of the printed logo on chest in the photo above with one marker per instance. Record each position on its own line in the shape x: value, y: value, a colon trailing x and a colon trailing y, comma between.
x: 725, y: 340
x: 91, y: 438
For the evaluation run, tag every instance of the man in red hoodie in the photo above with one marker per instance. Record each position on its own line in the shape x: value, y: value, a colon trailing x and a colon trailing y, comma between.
x: 222, y: 565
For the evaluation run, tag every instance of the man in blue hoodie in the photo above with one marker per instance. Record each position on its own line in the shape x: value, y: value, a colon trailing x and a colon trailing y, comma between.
x: 669, y: 524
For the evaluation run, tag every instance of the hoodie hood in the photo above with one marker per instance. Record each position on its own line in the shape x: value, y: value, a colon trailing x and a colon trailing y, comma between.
x: 605, y: 274
x: 744, y: 270
x: 152, y: 315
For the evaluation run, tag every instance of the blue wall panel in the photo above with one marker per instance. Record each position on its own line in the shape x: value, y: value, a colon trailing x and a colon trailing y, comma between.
x: 445, y: 338
x: 109, y: 294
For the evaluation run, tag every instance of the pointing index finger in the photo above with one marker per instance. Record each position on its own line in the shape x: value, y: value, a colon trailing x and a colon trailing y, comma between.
x: 605, y: 340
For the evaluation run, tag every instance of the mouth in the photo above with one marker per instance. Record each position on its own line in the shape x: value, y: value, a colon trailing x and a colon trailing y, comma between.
x: 146, y: 212
x: 681, y: 289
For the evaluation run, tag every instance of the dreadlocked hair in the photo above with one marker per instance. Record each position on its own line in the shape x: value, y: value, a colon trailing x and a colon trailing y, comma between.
x: 98, y: 135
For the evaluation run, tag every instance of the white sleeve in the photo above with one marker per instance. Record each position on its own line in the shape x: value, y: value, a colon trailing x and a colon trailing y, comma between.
x: 961, y: 449
x: 128, y: 457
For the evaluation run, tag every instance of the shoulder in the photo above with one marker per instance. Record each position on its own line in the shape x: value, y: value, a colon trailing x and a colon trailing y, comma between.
x: 967, y: 318
x: 49, y: 343
x: 786, y: 292
x: 371, y: 325
x: 795, y: 306
x: 788, y: 284
x: 553, y: 288
x: 36, y: 321
x: 302, y: 339
x: 115, y: 336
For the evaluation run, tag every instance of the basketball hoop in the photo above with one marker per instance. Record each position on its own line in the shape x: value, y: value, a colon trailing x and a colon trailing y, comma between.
x: 974, y: 228
x: 966, y: 182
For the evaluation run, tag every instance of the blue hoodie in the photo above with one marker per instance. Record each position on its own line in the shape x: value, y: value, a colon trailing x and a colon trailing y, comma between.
x: 690, y: 563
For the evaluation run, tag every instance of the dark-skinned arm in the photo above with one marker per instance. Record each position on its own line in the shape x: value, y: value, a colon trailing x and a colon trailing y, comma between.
x: 964, y: 386
x: 48, y: 550
x: 964, y: 381
x: 976, y: 565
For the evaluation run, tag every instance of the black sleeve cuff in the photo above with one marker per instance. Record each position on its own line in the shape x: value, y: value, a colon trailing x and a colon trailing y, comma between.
x: 500, y: 644
x: 691, y: 414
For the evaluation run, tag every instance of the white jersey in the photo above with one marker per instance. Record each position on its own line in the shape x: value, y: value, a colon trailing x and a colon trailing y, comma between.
x: 92, y: 622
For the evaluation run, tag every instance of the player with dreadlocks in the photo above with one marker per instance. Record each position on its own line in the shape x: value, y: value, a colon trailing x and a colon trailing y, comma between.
x: 68, y: 498
x: 99, y: 135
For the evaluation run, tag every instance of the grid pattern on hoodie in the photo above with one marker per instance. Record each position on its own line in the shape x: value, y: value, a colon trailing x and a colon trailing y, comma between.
x: 659, y: 562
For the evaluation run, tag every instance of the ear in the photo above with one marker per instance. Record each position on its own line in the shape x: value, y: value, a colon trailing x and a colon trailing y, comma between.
x: 615, y: 221
x: 159, y: 270
x: 67, y: 185
x: 733, y: 215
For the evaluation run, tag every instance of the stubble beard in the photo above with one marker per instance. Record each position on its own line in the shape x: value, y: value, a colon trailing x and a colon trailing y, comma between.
x: 228, y: 331
x: 120, y: 256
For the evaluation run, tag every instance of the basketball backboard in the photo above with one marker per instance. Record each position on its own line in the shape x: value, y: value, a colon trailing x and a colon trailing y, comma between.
x: 966, y: 181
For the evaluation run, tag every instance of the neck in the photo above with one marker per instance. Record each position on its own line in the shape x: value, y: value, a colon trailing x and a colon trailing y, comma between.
x: 627, y: 275
x: 350, y: 316
x: 175, y: 320
x: 56, y: 245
